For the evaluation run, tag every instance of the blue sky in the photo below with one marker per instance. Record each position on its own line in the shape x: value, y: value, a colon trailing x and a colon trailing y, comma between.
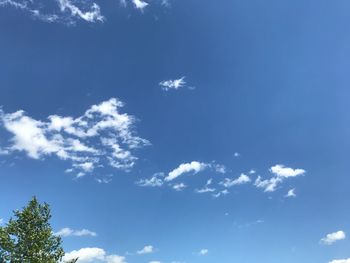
x: 180, y: 131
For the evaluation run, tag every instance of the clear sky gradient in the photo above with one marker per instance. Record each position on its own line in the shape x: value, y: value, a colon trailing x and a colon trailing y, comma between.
x: 253, y: 91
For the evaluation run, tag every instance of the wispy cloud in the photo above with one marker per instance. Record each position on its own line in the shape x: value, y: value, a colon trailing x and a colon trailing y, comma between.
x: 174, y: 84
x: 179, y: 187
x: 65, y: 11
x: 340, y: 261
x: 242, y: 179
x: 67, y: 232
x: 194, y: 167
x: 206, y: 188
x: 93, y: 15
x: 101, y: 136
x: 280, y: 173
x: 155, y: 181
x: 93, y: 254
x: 221, y: 193
x: 291, y: 193
x: 331, y: 238
x: 146, y: 250
x: 203, y: 252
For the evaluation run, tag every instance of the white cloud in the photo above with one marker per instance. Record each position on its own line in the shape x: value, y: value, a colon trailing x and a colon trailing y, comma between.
x: 236, y: 154
x: 179, y: 187
x: 89, y: 254
x: 333, y: 237
x: 173, y: 84
x: 114, y: 259
x: 291, y: 193
x: 101, y: 136
x: 193, y: 166
x: 242, y: 179
x: 154, y: 261
x: 1, y: 221
x: 252, y: 171
x: 139, y: 4
x: 93, y: 15
x: 285, y: 172
x: 269, y: 185
x: 66, y: 232
x: 206, y: 188
x: 146, y: 250
x: 280, y: 174
x: 219, y: 168
x: 60, y: 11
x: 93, y: 254
x: 154, y: 181
x: 203, y: 252
x: 340, y: 261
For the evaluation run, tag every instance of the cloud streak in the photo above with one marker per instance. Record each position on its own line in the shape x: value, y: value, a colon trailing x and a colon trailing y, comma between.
x: 67, y: 232
x: 65, y: 11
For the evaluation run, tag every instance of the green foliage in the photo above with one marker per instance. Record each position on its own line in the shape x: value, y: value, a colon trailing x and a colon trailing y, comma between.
x: 29, y: 238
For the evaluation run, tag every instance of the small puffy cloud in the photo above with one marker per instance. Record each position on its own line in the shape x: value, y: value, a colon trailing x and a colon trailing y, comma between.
x: 193, y: 166
x: 179, y: 187
x: 173, y: 84
x: 139, y: 4
x: 146, y: 250
x: 242, y: 179
x: 236, y: 154
x: 285, y: 172
x: 280, y: 173
x: 291, y: 193
x: 155, y: 181
x: 219, y: 168
x: 203, y: 252
x: 329, y: 239
x: 93, y: 254
x: 340, y: 261
x: 252, y: 171
x: 64, y: 11
x: 102, y: 136
x: 1, y: 221
x: 154, y: 261
x: 66, y: 232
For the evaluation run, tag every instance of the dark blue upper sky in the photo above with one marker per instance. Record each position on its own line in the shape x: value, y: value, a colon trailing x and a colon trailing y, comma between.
x: 265, y: 88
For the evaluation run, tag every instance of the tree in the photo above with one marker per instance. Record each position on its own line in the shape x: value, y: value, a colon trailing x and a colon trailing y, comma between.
x: 28, y: 238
